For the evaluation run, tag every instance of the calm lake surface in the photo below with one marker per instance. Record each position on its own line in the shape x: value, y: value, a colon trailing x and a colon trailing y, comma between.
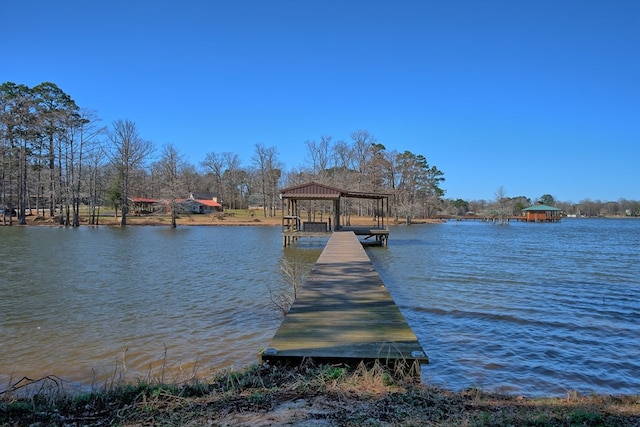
x: 533, y: 309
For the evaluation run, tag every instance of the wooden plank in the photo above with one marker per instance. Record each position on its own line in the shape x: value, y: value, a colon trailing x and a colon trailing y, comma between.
x: 344, y: 313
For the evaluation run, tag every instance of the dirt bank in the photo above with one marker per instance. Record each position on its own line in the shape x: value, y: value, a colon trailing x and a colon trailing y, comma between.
x: 311, y: 396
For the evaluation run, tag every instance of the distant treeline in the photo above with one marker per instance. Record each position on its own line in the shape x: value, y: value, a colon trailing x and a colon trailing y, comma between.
x: 55, y: 158
x: 512, y: 206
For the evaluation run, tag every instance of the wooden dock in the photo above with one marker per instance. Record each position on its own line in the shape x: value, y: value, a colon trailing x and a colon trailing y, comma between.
x: 380, y: 235
x: 344, y: 314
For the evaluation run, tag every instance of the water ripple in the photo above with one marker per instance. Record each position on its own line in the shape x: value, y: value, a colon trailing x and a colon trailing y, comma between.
x: 535, y: 309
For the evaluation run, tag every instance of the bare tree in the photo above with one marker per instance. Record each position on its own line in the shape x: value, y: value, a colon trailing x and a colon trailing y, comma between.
x: 214, y: 165
x: 96, y: 183
x: 502, y: 205
x: 89, y: 134
x: 233, y: 177
x: 169, y: 171
x: 295, y: 271
x: 128, y: 152
x: 340, y: 172
x: 363, y: 143
x: 319, y: 155
x: 192, y: 178
x: 269, y: 170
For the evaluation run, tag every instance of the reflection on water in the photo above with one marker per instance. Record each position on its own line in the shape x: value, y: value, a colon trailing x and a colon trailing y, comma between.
x: 524, y: 308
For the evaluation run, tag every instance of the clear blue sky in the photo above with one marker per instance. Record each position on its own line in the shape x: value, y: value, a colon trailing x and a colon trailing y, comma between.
x: 490, y: 91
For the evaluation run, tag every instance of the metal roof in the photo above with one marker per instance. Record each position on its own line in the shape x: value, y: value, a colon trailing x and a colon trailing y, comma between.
x: 317, y: 191
x: 365, y: 195
x: 310, y: 191
x: 143, y: 200
x: 541, y: 208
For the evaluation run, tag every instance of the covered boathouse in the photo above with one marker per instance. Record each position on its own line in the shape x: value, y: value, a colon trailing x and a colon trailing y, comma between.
x: 315, y: 210
x: 542, y: 213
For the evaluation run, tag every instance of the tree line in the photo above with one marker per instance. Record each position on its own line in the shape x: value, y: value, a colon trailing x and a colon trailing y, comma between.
x: 505, y: 206
x: 56, y: 158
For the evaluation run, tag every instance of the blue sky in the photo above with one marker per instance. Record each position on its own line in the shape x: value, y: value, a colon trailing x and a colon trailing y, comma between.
x: 490, y: 91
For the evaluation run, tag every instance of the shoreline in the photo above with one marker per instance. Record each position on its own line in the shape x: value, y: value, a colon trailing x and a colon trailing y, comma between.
x: 307, y: 395
x: 237, y: 217
x: 227, y: 218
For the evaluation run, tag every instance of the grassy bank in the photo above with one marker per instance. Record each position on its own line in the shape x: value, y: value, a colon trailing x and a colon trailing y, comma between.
x: 228, y: 217
x: 308, y: 395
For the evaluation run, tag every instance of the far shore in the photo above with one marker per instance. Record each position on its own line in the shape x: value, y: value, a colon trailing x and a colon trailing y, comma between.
x: 227, y: 218
x: 237, y: 217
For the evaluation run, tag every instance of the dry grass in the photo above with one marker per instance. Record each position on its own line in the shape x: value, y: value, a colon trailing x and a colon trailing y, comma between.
x: 230, y: 217
x: 309, y: 395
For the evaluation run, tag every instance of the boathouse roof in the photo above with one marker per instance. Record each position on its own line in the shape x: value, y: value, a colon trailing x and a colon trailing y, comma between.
x: 317, y: 191
x: 540, y: 207
x: 311, y: 191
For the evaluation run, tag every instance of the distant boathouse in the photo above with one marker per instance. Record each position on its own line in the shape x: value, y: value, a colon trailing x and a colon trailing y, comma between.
x: 542, y: 213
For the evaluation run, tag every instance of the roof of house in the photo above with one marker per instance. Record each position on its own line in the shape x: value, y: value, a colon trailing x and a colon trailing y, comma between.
x: 540, y: 207
x: 209, y: 203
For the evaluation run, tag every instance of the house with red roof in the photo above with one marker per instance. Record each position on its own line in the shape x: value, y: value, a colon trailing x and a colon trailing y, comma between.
x: 202, y: 203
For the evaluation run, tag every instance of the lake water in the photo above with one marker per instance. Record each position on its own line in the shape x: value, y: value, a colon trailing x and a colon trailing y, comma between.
x: 533, y: 309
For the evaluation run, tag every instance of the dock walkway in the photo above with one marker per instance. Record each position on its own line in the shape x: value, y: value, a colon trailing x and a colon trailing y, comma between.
x: 344, y: 314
